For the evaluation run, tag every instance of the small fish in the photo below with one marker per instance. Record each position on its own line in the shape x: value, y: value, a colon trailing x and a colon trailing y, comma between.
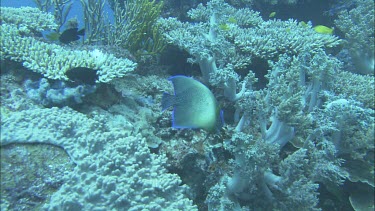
x: 194, y: 105
x: 224, y: 27
x: 232, y: 20
x: 71, y: 35
x: 272, y: 14
x: 323, y: 29
x: 82, y: 75
x: 303, y: 23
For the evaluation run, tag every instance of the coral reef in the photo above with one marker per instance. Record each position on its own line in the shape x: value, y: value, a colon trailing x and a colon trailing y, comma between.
x: 299, y: 123
x: 223, y: 40
x: 265, y: 2
x: 288, y: 115
x: 358, y: 87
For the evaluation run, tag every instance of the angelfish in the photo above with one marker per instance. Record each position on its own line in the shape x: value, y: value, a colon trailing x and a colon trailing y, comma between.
x: 194, y: 105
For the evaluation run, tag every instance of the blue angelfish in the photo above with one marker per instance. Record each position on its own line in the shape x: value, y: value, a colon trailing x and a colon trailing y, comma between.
x: 194, y: 105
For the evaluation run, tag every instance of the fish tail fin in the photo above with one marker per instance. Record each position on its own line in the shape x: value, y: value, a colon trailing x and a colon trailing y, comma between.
x: 81, y: 32
x: 166, y: 101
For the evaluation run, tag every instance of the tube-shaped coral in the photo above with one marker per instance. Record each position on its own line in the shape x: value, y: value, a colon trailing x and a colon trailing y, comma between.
x: 278, y: 133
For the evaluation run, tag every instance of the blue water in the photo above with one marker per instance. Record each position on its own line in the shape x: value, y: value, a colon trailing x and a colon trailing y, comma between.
x: 75, y: 12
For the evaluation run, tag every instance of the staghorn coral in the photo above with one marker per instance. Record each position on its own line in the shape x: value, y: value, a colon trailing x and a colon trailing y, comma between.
x: 210, y: 45
x: 333, y: 136
x: 291, y: 141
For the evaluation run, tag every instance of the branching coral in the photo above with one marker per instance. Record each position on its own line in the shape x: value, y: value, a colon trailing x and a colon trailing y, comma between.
x: 358, y: 26
x: 308, y: 128
x: 210, y: 43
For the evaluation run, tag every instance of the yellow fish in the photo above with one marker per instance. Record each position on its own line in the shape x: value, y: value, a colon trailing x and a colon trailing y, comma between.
x: 303, y: 23
x: 224, y: 27
x: 272, y: 14
x: 232, y: 20
x: 323, y: 29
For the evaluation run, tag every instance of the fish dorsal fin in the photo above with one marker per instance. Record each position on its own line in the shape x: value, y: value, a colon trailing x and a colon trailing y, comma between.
x: 181, y: 83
